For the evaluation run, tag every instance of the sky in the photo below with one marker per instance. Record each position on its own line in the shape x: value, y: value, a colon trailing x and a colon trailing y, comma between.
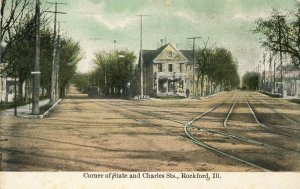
x: 96, y: 24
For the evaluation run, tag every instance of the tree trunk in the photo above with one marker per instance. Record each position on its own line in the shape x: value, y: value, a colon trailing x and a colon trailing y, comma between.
x: 20, y: 90
x: 202, y: 83
x: 43, y: 92
x: 26, y: 90
x: 197, y: 85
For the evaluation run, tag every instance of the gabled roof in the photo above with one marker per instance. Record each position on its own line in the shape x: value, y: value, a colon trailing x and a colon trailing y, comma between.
x: 150, y: 55
x: 188, y: 54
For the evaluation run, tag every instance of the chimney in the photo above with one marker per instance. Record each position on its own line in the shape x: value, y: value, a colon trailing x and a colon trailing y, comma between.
x: 161, y: 42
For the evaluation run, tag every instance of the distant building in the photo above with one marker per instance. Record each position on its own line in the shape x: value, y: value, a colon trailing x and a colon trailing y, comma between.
x: 165, y: 72
x: 7, y: 86
x: 168, y: 71
x: 290, y: 85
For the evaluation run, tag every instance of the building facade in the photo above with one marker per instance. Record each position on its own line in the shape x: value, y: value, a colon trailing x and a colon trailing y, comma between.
x: 165, y: 72
x: 271, y: 82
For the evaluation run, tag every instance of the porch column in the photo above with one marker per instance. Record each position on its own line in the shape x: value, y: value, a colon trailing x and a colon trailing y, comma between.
x: 167, y: 86
x: 184, y: 86
x: 157, y: 86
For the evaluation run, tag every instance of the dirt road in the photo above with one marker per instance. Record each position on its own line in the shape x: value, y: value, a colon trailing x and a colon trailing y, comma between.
x: 125, y: 135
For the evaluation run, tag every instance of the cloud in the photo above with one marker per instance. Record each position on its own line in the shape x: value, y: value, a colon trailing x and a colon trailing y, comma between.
x: 186, y: 16
x: 116, y: 23
x: 250, y: 17
x: 98, y: 10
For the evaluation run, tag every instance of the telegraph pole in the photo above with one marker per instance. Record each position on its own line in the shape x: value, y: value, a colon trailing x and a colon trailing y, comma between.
x: 259, y: 78
x: 264, y: 62
x: 54, y: 74
x: 36, y: 73
x: 1, y: 74
x: 57, y: 65
x: 280, y: 55
x: 141, y: 54
x: 274, y: 76
x: 270, y: 70
x: 278, y: 17
x: 194, y: 38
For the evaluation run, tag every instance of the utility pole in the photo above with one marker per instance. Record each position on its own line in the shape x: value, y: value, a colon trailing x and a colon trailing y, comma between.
x: 270, y: 70
x: 280, y: 55
x: 278, y: 17
x: 264, y: 62
x: 36, y: 73
x: 1, y: 35
x: 194, y: 38
x: 259, y: 78
x: 1, y: 74
x: 274, y: 76
x: 57, y: 65
x: 141, y: 55
x: 54, y: 75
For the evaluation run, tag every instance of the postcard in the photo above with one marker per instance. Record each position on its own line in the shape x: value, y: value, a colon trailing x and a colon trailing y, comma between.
x: 149, y: 93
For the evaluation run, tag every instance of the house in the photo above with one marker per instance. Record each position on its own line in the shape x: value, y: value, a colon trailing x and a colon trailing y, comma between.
x: 165, y: 71
x: 290, y: 85
x: 7, y: 86
x: 168, y: 71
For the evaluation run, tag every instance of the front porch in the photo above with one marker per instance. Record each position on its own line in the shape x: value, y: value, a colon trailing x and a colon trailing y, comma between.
x: 170, y: 86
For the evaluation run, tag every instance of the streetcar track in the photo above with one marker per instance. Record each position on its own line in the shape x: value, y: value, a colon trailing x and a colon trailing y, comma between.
x: 253, y: 141
x: 192, y: 139
x: 234, y: 134
x: 273, y: 131
x: 278, y: 113
x: 189, y: 137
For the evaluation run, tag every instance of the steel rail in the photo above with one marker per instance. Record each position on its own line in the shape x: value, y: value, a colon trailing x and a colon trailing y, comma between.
x: 265, y: 126
x: 233, y: 134
x: 278, y: 113
x: 189, y: 137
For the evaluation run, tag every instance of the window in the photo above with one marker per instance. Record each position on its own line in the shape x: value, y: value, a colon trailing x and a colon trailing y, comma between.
x: 170, y: 67
x: 181, y: 68
x: 159, y: 67
x: 170, y: 54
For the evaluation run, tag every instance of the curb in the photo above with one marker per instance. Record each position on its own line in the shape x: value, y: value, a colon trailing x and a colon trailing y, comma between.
x: 210, y: 96
x: 40, y: 116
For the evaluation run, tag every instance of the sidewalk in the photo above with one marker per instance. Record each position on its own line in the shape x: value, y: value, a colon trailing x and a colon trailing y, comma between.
x: 291, y: 97
x: 25, y: 109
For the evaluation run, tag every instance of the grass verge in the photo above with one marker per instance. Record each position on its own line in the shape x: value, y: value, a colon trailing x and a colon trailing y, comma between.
x: 297, y: 101
x: 271, y: 95
x: 45, y: 108
x: 171, y: 97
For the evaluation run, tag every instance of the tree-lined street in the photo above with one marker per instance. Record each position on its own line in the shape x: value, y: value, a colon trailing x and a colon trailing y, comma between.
x: 139, y: 94
x: 119, y: 135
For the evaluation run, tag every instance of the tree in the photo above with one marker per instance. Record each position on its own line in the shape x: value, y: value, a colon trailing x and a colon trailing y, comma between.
x: 69, y: 56
x: 20, y: 56
x: 218, y: 65
x: 82, y: 81
x: 250, y: 80
x: 203, y: 59
x: 114, y: 70
x: 13, y: 12
x: 280, y: 33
